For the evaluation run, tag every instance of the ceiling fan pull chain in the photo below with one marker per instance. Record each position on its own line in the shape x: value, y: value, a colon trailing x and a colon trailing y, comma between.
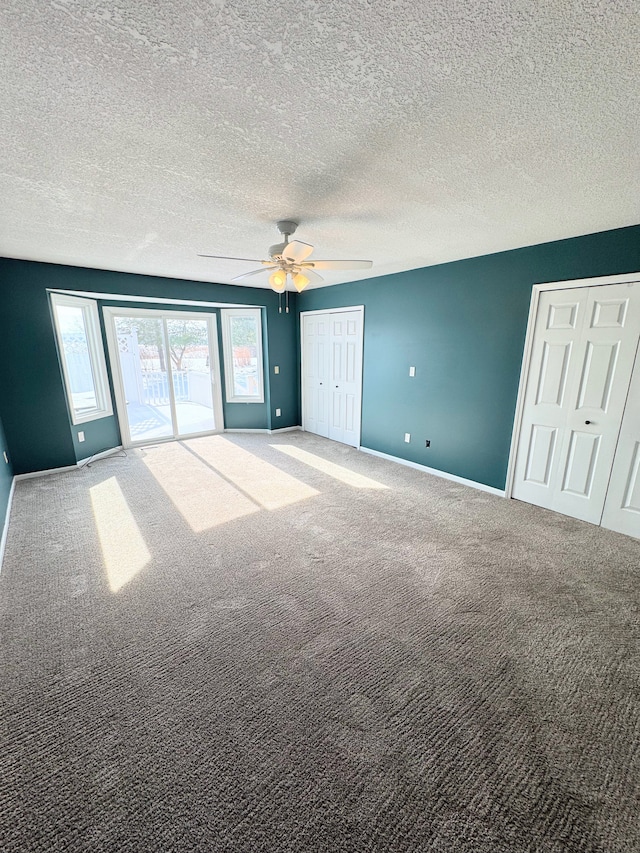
x: 279, y: 303
x: 287, y: 299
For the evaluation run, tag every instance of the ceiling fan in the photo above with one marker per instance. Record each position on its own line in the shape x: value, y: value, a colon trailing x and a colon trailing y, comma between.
x: 289, y: 259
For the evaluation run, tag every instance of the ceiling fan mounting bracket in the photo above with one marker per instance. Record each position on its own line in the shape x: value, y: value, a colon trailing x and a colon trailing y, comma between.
x: 286, y: 227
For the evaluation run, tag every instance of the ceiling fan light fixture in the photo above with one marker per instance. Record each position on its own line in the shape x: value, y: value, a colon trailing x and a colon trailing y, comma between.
x: 278, y: 280
x: 300, y: 281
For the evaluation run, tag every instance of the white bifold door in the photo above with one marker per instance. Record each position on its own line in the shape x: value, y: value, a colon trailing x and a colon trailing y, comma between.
x: 332, y: 374
x: 578, y: 443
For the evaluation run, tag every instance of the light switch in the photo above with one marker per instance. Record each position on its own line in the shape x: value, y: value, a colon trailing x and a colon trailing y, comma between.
x: 412, y: 371
x: 80, y: 436
x: 407, y: 437
x: 276, y: 369
x: 278, y: 412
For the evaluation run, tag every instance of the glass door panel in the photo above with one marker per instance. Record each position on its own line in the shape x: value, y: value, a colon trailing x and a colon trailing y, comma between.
x: 167, y: 368
x: 189, y: 351
x: 142, y: 354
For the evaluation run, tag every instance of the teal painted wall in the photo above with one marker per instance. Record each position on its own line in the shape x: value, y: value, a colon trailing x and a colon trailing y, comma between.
x: 36, y: 420
x: 6, y: 476
x: 99, y: 435
x: 462, y: 325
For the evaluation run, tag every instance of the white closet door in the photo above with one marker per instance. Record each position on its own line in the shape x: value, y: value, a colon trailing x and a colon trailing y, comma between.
x: 556, y: 335
x: 622, y: 505
x: 346, y: 374
x: 584, y: 347
x: 316, y: 360
x: 332, y: 374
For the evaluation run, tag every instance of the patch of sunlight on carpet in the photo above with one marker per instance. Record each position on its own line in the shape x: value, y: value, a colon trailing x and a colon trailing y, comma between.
x: 203, y: 498
x: 124, y: 550
x: 338, y: 472
x: 264, y: 483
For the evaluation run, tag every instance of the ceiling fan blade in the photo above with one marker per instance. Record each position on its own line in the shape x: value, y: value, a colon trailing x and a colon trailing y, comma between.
x: 338, y: 265
x: 296, y: 251
x: 226, y: 258
x: 310, y: 274
x: 253, y: 272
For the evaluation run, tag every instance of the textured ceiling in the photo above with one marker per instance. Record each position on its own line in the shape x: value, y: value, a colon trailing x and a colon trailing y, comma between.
x: 135, y: 134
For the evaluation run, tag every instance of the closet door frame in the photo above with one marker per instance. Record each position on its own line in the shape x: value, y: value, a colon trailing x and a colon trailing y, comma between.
x: 345, y: 309
x: 536, y: 291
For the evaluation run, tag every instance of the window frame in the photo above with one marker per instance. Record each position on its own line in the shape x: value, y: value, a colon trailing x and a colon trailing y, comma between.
x: 226, y: 316
x: 97, y: 360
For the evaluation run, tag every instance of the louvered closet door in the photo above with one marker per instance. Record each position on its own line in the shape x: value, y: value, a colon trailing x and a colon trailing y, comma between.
x: 584, y: 347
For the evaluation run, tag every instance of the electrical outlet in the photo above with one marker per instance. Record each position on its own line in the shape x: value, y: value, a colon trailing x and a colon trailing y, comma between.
x: 6, y: 458
x: 276, y: 369
x: 412, y: 371
x: 278, y: 412
x: 407, y: 437
x: 80, y: 436
x: 427, y: 443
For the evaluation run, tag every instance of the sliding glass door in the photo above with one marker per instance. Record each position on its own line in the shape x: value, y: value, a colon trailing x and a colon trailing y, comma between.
x: 166, y: 373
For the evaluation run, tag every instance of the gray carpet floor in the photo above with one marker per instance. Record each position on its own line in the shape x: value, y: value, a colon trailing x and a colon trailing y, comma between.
x: 276, y: 643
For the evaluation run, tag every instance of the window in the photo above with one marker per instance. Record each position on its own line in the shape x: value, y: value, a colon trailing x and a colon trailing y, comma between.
x: 242, y: 343
x: 82, y: 356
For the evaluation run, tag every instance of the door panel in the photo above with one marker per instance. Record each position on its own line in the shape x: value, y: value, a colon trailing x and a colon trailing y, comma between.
x: 598, y: 372
x: 604, y: 361
x: 583, y: 350
x: 191, y: 372
x: 556, y: 336
x: 166, y: 373
x: 553, y: 373
x: 346, y: 375
x: 142, y: 357
x: 540, y: 456
x: 580, y: 464
x: 350, y: 413
x: 622, y: 505
x: 609, y: 313
x: 316, y: 380
x: 563, y: 315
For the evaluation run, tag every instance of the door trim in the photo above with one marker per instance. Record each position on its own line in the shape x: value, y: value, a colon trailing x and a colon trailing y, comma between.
x: 536, y: 291
x: 343, y: 310
x: 110, y: 313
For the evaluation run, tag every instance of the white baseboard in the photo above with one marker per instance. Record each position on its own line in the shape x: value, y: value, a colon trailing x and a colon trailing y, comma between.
x: 102, y: 455
x: 266, y: 431
x: 65, y: 468
x: 436, y: 473
x: 45, y: 473
x: 5, y: 529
